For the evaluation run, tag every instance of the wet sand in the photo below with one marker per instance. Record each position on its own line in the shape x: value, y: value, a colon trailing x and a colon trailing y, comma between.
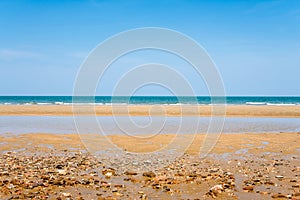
x: 145, y: 110
x: 241, y: 166
x: 255, y: 143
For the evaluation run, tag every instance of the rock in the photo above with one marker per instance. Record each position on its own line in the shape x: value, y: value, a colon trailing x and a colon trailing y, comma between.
x: 269, y: 183
x: 105, y: 184
x: 119, y: 194
x: 59, y: 166
x: 213, y: 170
x: 108, y: 172
x: 248, y: 188
x: 296, y: 185
x: 214, y: 191
x: 263, y: 193
x: 143, y: 197
x: 217, y: 188
x: 119, y: 186
x: 279, y: 196
x: 147, y: 162
x: 160, y: 178
x: 149, y: 174
x: 156, y: 186
x: 66, y: 194
x: 135, y: 163
x: 166, y: 188
x: 62, y: 171
x: 130, y: 173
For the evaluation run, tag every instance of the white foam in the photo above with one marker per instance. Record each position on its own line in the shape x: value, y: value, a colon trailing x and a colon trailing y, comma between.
x: 43, y: 103
x: 256, y: 103
x: 281, y: 104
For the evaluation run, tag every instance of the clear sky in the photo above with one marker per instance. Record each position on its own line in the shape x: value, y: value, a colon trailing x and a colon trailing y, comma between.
x: 255, y: 44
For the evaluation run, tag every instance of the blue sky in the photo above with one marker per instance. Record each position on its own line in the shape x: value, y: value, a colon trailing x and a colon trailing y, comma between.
x: 255, y: 44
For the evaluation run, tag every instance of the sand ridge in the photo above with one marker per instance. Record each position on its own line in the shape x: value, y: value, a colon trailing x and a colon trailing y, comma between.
x: 146, y: 110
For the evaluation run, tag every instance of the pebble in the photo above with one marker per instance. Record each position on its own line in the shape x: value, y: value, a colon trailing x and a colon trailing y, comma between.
x: 279, y: 196
x: 248, y: 188
x: 263, y: 193
x: 130, y: 173
x: 108, y: 172
x: 56, y: 175
x: 149, y: 174
x: 66, y: 194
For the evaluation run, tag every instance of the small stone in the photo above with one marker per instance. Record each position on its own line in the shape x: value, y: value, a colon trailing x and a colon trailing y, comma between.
x: 119, y: 194
x: 59, y: 166
x: 135, y: 163
x: 213, y: 170
x: 269, y: 183
x: 264, y: 193
x: 279, y: 196
x: 108, y: 172
x: 160, y: 178
x: 148, y: 162
x: 105, y: 184
x: 166, y: 188
x: 144, y: 197
x: 217, y: 188
x: 119, y: 186
x: 66, y: 194
x: 296, y: 185
x: 62, y: 171
x: 156, y: 186
x: 149, y: 174
x: 248, y: 188
x: 130, y: 173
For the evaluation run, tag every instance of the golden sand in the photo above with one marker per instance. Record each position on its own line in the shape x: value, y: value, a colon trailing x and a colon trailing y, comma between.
x: 286, y: 143
x: 145, y: 110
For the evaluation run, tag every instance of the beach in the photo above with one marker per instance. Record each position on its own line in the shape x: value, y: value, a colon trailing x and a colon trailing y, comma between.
x: 43, y: 165
x: 149, y: 100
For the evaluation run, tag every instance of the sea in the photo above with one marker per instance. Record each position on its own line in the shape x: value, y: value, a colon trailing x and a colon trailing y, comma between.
x: 166, y: 100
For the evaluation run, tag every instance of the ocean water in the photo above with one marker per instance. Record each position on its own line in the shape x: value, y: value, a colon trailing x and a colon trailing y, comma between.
x: 232, y: 100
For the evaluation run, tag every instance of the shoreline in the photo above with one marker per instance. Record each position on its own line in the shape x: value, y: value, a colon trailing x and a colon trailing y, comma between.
x: 153, y: 110
x: 260, y: 165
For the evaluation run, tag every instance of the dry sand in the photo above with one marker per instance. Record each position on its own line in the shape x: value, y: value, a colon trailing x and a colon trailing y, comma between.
x: 145, y: 110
